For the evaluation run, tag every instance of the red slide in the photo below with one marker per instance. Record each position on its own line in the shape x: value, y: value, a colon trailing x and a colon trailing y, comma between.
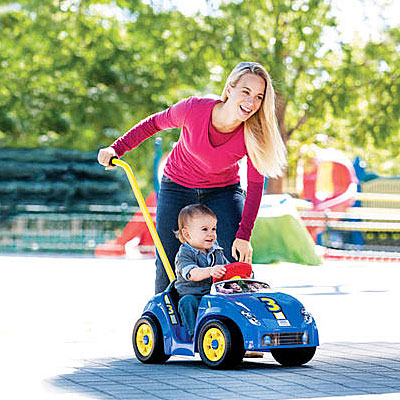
x: 136, y: 228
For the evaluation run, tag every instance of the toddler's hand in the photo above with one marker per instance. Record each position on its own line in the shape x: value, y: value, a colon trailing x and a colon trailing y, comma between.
x: 217, y: 271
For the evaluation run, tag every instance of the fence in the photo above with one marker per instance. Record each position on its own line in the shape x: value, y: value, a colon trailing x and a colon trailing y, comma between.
x: 38, y: 228
x: 374, y: 227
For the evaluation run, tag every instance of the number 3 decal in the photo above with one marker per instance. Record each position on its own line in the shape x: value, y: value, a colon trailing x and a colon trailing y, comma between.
x: 276, y: 310
x: 170, y: 310
x: 271, y: 304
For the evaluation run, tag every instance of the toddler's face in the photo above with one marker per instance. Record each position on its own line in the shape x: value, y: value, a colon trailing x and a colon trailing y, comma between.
x: 201, y: 232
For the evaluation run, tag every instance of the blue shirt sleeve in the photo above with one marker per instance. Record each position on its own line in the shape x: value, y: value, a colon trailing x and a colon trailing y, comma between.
x: 184, y: 263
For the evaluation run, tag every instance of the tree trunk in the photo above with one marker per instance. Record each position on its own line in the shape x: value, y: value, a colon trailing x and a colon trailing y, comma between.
x: 275, y: 185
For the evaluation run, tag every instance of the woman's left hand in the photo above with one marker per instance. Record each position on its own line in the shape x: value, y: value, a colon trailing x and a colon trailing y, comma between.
x: 242, y: 250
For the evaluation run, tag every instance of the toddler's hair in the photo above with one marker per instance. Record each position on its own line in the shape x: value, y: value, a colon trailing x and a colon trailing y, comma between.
x: 189, y: 212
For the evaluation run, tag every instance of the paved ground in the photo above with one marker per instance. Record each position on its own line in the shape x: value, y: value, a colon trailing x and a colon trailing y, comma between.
x: 65, y: 327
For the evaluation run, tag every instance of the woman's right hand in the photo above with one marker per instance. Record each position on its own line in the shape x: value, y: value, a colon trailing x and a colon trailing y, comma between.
x: 104, y: 156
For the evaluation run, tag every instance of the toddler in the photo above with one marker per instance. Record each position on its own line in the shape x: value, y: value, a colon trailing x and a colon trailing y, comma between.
x: 198, y: 260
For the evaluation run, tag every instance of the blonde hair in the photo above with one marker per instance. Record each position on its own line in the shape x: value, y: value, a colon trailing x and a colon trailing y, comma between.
x: 189, y: 212
x: 263, y: 140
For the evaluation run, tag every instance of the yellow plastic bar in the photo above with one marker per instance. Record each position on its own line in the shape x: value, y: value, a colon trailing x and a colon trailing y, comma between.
x: 147, y: 217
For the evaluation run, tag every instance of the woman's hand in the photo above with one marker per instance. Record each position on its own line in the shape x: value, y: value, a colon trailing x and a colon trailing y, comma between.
x: 242, y: 250
x: 104, y: 156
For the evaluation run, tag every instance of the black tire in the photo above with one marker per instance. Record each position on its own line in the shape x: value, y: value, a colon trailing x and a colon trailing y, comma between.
x: 293, y: 357
x: 220, y: 346
x: 147, y: 341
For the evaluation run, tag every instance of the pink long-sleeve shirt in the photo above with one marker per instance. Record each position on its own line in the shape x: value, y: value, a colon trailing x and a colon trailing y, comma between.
x: 203, y: 157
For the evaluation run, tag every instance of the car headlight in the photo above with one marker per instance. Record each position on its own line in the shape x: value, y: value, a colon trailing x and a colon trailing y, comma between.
x: 250, y: 317
x: 266, y: 340
x: 308, y: 318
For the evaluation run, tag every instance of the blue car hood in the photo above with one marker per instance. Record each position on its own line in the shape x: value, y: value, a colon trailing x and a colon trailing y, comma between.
x: 265, y: 306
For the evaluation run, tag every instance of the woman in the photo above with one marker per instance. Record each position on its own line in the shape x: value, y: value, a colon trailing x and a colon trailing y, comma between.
x: 203, y: 166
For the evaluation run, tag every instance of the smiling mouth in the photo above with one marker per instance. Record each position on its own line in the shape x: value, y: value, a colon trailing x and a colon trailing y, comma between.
x: 245, y: 110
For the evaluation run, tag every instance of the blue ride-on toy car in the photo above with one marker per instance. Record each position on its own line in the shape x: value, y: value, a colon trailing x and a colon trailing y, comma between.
x: 237, y: 315
x: 240, y: 314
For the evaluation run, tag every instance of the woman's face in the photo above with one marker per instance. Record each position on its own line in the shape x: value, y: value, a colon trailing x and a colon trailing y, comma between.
x: 247, y: 96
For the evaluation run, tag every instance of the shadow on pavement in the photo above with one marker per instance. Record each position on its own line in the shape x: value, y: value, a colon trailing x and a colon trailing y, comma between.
x: 338, y: 369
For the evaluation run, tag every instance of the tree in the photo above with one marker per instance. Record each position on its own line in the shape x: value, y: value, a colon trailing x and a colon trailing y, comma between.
x: 77, y: 76
x: 365, y: 117
x: 345, y: 93
x: 78, y: 73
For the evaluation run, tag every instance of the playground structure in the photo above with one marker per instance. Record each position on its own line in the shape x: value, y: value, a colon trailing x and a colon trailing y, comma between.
x: 329, y: 183
x: 353, y: 215
x: 280, y: 235
x: 135, y: 229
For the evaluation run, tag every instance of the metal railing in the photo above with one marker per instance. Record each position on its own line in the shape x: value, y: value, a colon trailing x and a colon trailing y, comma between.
x: 38, y: 228
x: 378, y: 228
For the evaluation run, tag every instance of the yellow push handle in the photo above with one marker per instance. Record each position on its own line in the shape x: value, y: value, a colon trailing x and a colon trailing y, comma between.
x: 146, y: 214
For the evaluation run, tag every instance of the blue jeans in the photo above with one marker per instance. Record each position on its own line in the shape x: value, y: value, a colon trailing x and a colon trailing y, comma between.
x: 187, y: 307
x: 226, y: 202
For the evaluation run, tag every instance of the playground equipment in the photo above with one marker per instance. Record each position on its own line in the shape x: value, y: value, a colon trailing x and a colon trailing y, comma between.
x: 239, y: 314
x: 351, y: 224
x: 329, y: 183
x: 280, y: 235
x: 135, y: 228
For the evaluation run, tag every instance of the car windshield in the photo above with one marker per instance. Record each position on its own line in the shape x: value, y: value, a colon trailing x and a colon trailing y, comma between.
x: 240, y: 286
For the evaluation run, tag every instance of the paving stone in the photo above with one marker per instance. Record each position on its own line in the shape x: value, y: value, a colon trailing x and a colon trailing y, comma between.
x: 343, y: 378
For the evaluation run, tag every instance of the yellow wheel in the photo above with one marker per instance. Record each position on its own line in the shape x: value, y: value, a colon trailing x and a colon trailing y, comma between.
x: 147, y: 341
x: 144, y: 339
x: 214, y: 344
x: 220, y: 345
